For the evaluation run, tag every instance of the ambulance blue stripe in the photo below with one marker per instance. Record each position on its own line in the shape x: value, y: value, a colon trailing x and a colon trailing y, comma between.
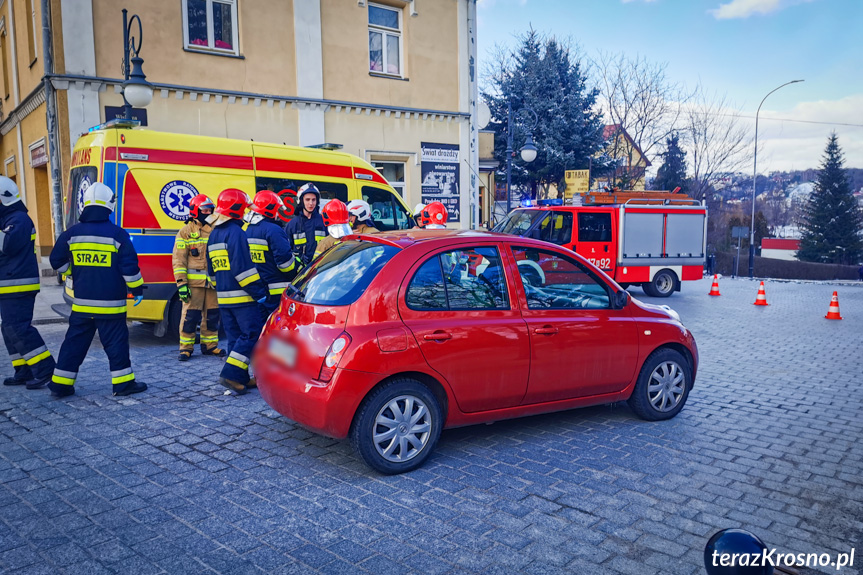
x: 153, y: 243
x: 109, y: 177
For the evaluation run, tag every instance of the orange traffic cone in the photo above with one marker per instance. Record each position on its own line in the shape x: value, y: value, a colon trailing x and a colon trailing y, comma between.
x: 761, y: 298
x: 714, y: 289
x: 833, y: 310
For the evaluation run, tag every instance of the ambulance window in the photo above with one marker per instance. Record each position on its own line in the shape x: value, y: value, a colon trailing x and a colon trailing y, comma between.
x: 387, y: 213
x: 329, y: 190
x: 557, y: 228
x: 80, y: 179
x: 594, y: 227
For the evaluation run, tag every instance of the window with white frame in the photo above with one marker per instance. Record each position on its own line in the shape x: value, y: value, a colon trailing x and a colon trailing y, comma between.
x: 210, y: 26
x: 385, y: 40
x: 394, y: 173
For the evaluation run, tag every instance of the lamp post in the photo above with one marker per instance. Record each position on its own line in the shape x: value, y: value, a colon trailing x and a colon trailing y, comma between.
x: 137, y: 91
x: 755, y: 180
x: 527, y: 152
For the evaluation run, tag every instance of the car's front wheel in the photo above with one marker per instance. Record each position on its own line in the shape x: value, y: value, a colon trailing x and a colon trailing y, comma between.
x: 397, y: 426
x: 662, y: 387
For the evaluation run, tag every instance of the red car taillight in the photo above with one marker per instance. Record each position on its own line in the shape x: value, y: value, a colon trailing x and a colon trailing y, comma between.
x: 334, y: 356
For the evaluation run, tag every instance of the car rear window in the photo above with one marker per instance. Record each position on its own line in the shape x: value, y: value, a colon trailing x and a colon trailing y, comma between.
x: 342, y: 273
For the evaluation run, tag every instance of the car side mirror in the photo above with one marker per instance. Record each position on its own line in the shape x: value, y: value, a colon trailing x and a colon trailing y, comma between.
x: 621, y: 298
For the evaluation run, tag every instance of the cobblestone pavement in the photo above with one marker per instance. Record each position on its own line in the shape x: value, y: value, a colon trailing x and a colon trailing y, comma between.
x: 182, y: 479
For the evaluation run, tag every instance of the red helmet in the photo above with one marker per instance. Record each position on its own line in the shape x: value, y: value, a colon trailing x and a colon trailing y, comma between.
x: 198, y: 202
x: 232, y: 203
x: 267, y: 204
x: 434, y: 214
x: 289, y: 198
x: 335, y: 212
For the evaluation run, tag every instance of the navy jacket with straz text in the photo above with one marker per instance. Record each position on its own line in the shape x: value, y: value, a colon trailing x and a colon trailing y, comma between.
x: 271, y: 254
x: 229, y: 263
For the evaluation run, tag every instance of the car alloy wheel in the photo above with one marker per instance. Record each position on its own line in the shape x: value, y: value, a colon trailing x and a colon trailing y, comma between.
x: 663, y: 385
x: 397, y: 426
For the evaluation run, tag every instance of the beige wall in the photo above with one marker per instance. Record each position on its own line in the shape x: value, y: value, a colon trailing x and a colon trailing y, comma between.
x: 429, y: 59
x: 266, y: 40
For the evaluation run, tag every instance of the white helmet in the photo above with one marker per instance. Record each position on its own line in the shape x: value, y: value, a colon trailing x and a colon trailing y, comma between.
x: 98, y: 194
x: 418, y: 209
x: 9, y: 193
x: 360, y: 209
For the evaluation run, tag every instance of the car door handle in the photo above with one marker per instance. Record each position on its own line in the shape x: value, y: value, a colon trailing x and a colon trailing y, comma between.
x: 547, y: 330
x: 438, y: 336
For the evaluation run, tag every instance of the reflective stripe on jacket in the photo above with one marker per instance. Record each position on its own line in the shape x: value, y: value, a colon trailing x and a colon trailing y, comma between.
x: 272, y: 255
x: 189, y: 268
x: 304, y: 234
x: 19, y: 270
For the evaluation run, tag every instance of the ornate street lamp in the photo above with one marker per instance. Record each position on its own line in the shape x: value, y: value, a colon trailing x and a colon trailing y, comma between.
x: 528, y: 151
x: 137, y: 91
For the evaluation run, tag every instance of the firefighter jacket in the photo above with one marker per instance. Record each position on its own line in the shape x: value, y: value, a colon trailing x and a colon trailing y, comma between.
x: 326, y: 244
x: 19, y: 272
x: 271, y: 254
x: 102, y: 262
x: 362, y: 228
x: 230, y: 267
x: 189, y: 268
x: 304, y: 234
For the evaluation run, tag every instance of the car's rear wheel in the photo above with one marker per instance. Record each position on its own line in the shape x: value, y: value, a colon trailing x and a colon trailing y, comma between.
x: 397, y: 426
x: 662, y: 285
x: 662, y: 387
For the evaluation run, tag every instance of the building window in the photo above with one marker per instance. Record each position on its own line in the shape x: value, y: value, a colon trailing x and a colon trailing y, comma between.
x: 32, y: 31
x: 210, y: 26
x: 394, y: 173
x: 385, y: 40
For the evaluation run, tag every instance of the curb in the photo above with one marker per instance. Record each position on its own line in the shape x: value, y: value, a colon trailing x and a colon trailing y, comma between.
x: 48, y: 320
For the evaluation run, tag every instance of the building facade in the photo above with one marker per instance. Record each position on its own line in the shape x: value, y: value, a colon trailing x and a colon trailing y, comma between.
x: 391, y: 81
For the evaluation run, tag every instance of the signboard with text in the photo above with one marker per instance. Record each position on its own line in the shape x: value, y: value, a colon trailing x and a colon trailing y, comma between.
x: 577, y: 182
x: 440, y: 177
x: 118, y: 113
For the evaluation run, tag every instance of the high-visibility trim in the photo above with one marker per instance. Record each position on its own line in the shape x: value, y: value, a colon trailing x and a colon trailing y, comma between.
x: 134, y: 281
x: 258, y: 242
x: 98, y: 310
x: 93, y: 247
x: 17, y: 361
x: 44, y: 355
x: 122, y: 379
x: 233, y: 300
x: 286, y: 266
x: 64, y: 377
x: 217, y: 253
x: 119, y: 372
x: 2, y: 240
x: 180, y: 270
x: 19, y: 285
x: 320, y: 234
x: 187, y: 340
x: 238, y: 360
x: 99, y: 302
x: 221, y: 246
x: 247, y: 277
x: 64, y: 268
x: 194, y: 276
x: 278, y: 287
x: 209, y: 338
x: 180, y: 244
x: 299, y: 240
x: 36, y: 355
x: 94, y: 240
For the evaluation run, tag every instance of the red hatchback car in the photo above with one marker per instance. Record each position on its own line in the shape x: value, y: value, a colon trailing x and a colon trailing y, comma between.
x: 388, y: 339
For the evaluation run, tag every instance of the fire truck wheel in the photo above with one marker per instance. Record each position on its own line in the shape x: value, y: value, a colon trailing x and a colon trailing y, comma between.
x: 397, y: 426
x: 662, y: 387
x: 662, y: 285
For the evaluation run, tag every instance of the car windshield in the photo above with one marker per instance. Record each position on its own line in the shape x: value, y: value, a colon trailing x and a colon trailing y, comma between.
x: 341, y: 275
x: 518, y: 222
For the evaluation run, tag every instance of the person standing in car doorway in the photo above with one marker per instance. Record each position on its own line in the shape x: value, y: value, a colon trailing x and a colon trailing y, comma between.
x: 306, y: 228
x: 196, y: 293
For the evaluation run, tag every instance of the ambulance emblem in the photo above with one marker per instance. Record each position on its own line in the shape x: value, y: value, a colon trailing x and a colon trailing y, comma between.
x: 175, y: 197
x: 82, y: 187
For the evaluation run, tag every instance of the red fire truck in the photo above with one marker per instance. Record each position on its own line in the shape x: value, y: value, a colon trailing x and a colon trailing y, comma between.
x: 650, y: 239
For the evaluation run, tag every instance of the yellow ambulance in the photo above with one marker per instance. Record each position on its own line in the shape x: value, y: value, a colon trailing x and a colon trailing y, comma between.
x: 155, y: 174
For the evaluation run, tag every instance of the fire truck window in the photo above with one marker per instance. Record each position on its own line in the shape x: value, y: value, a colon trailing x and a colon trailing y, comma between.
x: 426, y: 290
x: 553, y: 281
x: 557, y: 228
x: 594, y: 227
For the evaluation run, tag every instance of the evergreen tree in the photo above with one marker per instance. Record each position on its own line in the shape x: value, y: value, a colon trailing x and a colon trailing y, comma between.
x: 832, y: 218
x: 545, y: 77
x: 672, y: 172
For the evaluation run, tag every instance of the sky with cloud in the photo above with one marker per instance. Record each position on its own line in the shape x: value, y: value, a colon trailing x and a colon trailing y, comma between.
x: 741, y: 48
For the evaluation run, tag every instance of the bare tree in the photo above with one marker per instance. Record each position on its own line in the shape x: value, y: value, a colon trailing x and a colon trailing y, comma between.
x: 639, y: 97
x: 716, y: 140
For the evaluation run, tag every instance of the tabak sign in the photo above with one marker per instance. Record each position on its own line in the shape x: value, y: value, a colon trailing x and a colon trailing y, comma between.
x: 440, y: 177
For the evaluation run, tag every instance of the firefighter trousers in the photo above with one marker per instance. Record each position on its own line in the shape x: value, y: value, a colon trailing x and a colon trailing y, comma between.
x: 242, y: 327
x: 27, y: 350
x: 114, y: 336
x: 202, y: 308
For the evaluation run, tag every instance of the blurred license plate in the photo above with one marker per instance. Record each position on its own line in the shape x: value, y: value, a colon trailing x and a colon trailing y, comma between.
x: 283, y: 350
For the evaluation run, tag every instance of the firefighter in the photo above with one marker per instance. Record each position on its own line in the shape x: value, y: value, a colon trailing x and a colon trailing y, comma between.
x: 360, y: 214
x: 104, y: 267
x: 190, y: 271
x: 238, y: 287
x: 335, y: 216
x: 418, y: 209
x: 270, y: 248
x: 433, y: 216
x: 306, y: 228
x: 19, y: 284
